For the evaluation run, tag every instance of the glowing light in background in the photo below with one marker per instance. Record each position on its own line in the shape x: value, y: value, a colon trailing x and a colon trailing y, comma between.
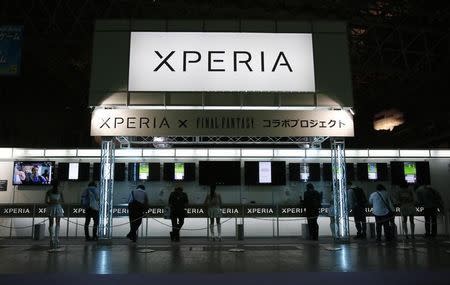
x: 387, y: 120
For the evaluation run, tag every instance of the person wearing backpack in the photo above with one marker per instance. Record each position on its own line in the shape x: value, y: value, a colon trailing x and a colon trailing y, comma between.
x: 90, y: 201
x: 312, y: 202
x: 137, y: 206
x: 357, y: 203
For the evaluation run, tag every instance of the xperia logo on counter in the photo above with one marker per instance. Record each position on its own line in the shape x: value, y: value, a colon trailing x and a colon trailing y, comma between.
x: 221, y: 62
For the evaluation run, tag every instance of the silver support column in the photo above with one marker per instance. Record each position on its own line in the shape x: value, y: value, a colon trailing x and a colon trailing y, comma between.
x: 341, y: 224
x: 106, y: 189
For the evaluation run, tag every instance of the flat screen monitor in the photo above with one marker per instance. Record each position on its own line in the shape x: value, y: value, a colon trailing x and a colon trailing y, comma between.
x: 382, y: 170
x: 350, y: 171
x: 303, y: 172
x: 409, y: 169
x: 33, y: 172
x: 119, y: 171
x: 326, y: 172
x: 73, y: 171
x: 265, y: 173
x: 219, y: 172
x: 179, y: 171
x: 144, y: 171
x: 417, y: 172
x: 372, y: 173
x: 423, y: 173
x: 397, y: 172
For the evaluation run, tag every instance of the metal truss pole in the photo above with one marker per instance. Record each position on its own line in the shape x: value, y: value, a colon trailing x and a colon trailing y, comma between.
x: 106, y: 189
x: 341, y: 224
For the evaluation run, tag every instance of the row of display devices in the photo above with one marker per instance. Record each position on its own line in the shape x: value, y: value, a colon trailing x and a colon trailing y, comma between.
x: 221, y: 172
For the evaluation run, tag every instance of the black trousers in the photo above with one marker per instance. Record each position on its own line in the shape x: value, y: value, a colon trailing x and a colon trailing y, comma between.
x: 313, y: 226
x: 135, y: 214
x: 359, y: 214
x: 94, y: 215
x: 387, y: 223
x: 177, y: 223
x: 430, y: 221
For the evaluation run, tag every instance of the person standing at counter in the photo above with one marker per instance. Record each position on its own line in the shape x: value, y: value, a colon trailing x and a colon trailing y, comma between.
x: 383, y: 210
x: 213, y: 202
x: 178, y: 200
x: 137, y: 205
x: 90, y: 201
x: 407, y: 203
x: 357, y: 201
x: 312, y: 202
x: 431, y: 201
x: 54, y: 199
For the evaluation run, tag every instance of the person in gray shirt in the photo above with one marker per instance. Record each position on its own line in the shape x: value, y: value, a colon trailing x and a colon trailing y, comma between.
x: 383, y: 210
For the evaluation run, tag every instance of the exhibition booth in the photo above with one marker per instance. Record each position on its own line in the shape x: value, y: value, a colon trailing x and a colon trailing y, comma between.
x: 260, y: 188
x: 201, y: 102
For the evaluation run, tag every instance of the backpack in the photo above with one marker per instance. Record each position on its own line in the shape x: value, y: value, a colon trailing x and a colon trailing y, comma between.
x: 85, y: 199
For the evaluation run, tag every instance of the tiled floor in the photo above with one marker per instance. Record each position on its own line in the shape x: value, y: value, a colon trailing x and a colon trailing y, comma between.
x: 201, y: 256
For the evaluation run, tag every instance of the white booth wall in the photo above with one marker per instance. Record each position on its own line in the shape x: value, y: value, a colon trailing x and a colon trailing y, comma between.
x: 159, y: 192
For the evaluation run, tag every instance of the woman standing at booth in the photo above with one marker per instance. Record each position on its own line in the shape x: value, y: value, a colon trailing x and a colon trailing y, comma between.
x: 54, y: 199
x: 213, y: 202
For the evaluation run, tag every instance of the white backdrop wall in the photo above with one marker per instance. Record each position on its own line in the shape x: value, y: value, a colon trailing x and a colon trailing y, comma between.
x: 159, y: 191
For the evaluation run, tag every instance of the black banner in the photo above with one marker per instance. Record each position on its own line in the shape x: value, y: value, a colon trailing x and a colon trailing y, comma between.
x: 17, y: 210
x: 228, y: 211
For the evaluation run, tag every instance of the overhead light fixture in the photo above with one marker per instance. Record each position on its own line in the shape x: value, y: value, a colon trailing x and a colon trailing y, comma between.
x: 388, y: 120
x: 161, y: 142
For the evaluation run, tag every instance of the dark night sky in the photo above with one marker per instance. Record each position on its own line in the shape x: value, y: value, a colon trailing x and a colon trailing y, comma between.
x: 399, y: 58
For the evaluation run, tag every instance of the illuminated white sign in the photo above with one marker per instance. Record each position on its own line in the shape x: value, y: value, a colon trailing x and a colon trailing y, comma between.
x: 221, y: 62
x: 127, y: 122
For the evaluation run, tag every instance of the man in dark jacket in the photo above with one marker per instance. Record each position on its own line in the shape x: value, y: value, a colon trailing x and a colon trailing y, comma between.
x: 312, y: 202
x: 357, y: 201
x: 431, y: 201
x: 137, y: 206
x: 178, y: 200
x: 91, y: 203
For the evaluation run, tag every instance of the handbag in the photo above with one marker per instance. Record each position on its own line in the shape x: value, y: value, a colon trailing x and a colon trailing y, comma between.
x: 391, y: 212
x: 138, y: 205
